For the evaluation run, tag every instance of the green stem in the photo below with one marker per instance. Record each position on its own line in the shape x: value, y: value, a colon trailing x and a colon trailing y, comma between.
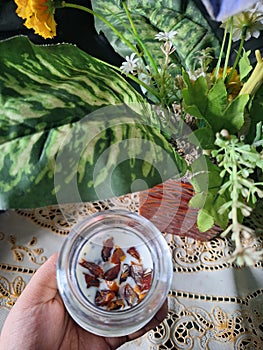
x: 136, y: 80
x: 86, y: 9
x: 228, y: 78
x: 228, y: 48
x: 129, y: 17
x: 221, y: 52
x: 235, y: 185
x: 141, y: 44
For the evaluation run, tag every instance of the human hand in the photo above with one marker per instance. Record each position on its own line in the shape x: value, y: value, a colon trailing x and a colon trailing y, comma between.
x: 40, y: 321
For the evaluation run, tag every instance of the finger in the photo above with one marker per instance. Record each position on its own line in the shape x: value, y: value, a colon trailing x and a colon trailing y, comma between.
x: 43, y: 285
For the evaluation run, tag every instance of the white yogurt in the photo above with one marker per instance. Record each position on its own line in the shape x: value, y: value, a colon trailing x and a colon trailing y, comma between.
x: 91, y: 252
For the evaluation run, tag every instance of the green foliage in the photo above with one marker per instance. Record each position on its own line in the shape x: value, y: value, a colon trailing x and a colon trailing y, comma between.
x: 210, y: 103
x: 255, y: 115
x: 207, y: 181
x: 244, y: 65
x: 225, y: 190
x: 238, y: 161
x: 203, y: 137
x: 151, y: 17
x: 204, y: 220
x: 72, y: 129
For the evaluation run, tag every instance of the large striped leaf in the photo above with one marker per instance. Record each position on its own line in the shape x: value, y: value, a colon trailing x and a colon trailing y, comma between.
x: 72, y: 129
x: 152, y: 16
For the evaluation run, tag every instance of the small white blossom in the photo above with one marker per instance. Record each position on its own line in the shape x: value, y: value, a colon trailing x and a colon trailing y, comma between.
x: 246, y: 256
x: 144, y: 74
x: 194, y: 75
x: 165, y: 36
x: 130, y: 65
x: 167, y: 48
x: 260, y: 193
x: 252, y: 19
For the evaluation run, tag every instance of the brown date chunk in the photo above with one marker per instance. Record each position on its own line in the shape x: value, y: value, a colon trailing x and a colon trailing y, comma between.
x: 91, y: 281
x: 136, y: 273
x: 112, y: 273
x: 107, y: 248
x: 130, y: 296
x: 112, y: 285
x: 125, y: 273
x: 104, y: 297
x: 134, y: 253
x: 116, y: 304
x: 118, y: 256
x: 93, y: 268
x: 146, y: 280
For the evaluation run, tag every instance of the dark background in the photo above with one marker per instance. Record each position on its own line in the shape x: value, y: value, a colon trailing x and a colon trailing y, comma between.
x: 77, y: 27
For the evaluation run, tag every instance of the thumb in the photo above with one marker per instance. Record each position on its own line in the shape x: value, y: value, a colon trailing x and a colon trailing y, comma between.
x: 43, y: 285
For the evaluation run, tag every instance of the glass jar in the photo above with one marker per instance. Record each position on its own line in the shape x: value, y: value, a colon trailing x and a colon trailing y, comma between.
x: 114, y: 272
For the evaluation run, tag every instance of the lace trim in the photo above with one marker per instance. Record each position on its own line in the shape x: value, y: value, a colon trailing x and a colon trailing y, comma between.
x: 60, y: 219
x: 217, y: 299
x: 190, y: 255
x: 193, y: 327
x: 10, y: 290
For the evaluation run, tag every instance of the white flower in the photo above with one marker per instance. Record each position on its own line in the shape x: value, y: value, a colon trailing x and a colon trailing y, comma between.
x: 130, y: 65
x: 252, y: 19
x: 165, y: 36
x: 246, y: 256
x: 195, y: 74
x: 146, y: 79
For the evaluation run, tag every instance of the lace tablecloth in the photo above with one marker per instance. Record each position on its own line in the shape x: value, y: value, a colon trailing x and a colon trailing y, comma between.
x: 212, y: 304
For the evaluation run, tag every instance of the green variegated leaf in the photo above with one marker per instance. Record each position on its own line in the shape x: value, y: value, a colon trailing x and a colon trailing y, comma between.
x: 72, y: 129
x: 151, y: 17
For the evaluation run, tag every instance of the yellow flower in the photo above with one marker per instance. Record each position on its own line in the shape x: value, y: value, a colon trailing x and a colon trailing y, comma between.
x: 39, y: 15
x: 234, y: 85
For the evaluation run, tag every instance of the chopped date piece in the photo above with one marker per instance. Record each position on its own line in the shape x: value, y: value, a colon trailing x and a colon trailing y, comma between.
x: 134, y: 253
x: 117, y: 256
x: 146, y: 280
x: 142, y: 295
x: 104, y: 297
x: 119, y: 293
x: 107, y: 248
x: 93, y: 268
x: 130, y: 296
x: 112, y: 285
x: 91, y: 281
x: 137, y: 289
x: 125, y: 273
x: 137, y: 273
x: 116, y: 304
x: 142, y: 278
x: 112, y: 273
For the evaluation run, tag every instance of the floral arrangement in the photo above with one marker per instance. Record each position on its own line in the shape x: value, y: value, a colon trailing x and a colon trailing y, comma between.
x: 222, y: 99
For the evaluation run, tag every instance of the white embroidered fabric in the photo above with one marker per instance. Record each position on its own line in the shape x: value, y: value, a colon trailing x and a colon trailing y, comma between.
x: 212, y: 304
